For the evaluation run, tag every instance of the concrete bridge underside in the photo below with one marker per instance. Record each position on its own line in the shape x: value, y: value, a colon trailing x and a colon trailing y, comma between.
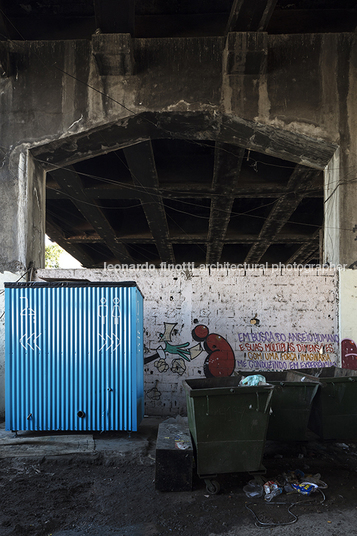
x: 237, y: 147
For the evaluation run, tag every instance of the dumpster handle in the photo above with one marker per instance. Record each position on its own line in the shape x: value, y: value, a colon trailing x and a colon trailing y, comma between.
x: 207, y: 405
x: 257, y: 400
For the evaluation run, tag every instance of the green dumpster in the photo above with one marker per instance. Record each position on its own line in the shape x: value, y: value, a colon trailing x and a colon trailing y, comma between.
x: 334, y: 409
x: 291, y: 405
x: 228, y: 424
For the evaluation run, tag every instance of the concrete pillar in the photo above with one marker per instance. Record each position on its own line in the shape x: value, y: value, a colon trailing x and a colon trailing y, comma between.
x: 341, y: 173
x: 340, y: 226
x: 332, y: 211
x: 22, y: 212
x: 22, y: 221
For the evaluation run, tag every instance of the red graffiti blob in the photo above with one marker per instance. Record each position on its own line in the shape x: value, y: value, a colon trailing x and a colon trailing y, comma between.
x: 220, y: 361
x: 200, y: 333
x: 349, y: 354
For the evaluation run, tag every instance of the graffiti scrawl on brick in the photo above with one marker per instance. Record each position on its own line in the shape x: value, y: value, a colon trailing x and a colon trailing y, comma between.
x: 220, y: 360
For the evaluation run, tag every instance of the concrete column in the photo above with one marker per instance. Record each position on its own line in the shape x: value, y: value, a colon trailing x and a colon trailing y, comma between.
x: 347, y: 198
x: 341, y: 174
x: 22, y: 212
x: 332, y: 211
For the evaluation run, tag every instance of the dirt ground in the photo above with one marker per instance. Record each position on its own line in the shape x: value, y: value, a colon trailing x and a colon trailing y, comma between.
x: 102, y: 495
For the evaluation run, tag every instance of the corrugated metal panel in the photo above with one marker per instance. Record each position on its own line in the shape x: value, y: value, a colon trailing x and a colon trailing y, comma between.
x: 74, y: 357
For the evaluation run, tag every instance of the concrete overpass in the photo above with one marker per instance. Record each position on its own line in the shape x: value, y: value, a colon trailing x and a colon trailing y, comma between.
x: 170, y: 132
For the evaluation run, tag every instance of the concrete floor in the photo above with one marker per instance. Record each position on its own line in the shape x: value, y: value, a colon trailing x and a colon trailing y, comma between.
x: 114, y: 444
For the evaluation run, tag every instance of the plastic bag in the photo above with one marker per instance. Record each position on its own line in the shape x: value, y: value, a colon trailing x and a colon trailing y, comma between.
x: 253, y: 489
x: 253, y: 380
x: 305, y: 488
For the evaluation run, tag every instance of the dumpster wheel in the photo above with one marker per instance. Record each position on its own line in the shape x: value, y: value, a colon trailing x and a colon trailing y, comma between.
x: 212, y: 486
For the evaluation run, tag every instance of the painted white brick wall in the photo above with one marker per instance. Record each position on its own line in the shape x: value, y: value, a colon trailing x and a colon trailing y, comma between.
x: 303, y: 304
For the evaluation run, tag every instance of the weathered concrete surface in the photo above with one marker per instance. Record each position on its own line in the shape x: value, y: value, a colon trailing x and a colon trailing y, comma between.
x: 108, y: 445
x: 298, y: 103
x: 26, y: 446
x: 22, y: 209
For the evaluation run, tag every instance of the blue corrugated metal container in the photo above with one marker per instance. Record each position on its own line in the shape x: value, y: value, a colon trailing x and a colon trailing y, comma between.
x: 74, y: 356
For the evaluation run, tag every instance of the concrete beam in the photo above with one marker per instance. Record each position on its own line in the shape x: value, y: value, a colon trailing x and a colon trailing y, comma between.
x: 71, y: 184
x: 307, y: 249
x: 141, y: 162
x: 285, y: 144
x: 113, y: 16
x: 227, y: 166
x: 56, y: 234
x: 284, y: 207
x: 114, y: 54
x: 245, y: 53
x: 250, y: 16
x: 294, y: 238
x: 178, y: 190
x: 5, y: 61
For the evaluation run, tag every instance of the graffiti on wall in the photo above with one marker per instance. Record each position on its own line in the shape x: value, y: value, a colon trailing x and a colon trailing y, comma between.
x: 166, y: 350
x: 154, y: 393
x: 349, y: 354
x: 219, y: 360
x: 281, y: 351
x: 254, y: 351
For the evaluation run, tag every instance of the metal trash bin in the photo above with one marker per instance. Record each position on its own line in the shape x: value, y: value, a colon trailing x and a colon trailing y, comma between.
x: 228, y: 424
x: 290, y: 406
x: 334, y: 409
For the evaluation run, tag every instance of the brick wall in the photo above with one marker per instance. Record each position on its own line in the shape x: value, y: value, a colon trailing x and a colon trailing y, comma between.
x: 262, y: 319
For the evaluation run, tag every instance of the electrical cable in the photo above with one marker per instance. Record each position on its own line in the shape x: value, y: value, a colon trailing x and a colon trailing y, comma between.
x: 261, y: 524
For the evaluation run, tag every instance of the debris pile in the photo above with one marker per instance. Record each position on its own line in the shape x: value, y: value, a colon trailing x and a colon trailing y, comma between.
x: 287, y: 483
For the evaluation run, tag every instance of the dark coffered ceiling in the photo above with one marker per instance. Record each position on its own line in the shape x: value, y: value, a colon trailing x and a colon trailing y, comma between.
x: 77, y: 19
x: 175, y: 200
